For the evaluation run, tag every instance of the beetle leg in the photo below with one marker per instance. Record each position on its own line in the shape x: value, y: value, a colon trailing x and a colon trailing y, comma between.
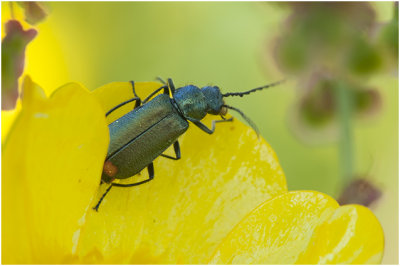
x: 167, y: 88
x: 96, y: 208
x: 150, y: 168
x: 166, y: 91
x: 223, y: 117
x: 138, y: 102
x: 133, y: 90
x: 161, y: 80
x: 177, y: 152
x: 171, y: 86
x: 136, y: 98
x: 205, y: 128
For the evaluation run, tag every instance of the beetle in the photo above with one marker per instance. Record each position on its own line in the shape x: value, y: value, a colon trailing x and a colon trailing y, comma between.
x: 155, y: 123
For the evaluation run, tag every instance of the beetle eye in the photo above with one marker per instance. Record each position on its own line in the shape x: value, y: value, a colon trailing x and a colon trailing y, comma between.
x: 223, y: 111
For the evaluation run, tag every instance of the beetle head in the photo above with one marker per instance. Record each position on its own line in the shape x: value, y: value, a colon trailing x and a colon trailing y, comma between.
x: 214, y: 100
x: 195, y: 103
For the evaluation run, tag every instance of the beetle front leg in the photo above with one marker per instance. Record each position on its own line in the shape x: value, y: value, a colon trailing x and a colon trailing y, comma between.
x: 205, y: 128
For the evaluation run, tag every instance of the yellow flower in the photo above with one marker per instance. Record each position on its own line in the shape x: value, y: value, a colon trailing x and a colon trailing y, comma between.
x: 225, y: 201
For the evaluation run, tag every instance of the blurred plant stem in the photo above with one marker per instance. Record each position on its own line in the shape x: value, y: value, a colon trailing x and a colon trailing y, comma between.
x: 345, y: 102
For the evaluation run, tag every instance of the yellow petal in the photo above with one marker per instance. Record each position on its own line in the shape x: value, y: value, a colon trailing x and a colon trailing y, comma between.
x: 7, y: 120
x: 303, y: 227
x: 32, y: 94
x: 52, y: 162
x: 352, y: 235
x: 277, y: 231
x: 183, y: 214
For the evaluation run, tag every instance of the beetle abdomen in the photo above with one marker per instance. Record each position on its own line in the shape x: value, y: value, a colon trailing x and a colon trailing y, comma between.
x: 140, y: 136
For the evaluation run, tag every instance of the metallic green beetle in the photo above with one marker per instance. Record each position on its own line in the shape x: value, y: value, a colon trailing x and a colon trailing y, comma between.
x: 144, y: 133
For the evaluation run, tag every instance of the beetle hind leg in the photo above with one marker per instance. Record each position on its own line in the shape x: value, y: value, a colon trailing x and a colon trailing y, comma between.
x: 177, y: 150
x: 150, y: 169
x: 96, y: 208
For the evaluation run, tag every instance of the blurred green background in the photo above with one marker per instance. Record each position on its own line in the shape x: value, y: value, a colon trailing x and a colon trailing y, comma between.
x: 239, y: 46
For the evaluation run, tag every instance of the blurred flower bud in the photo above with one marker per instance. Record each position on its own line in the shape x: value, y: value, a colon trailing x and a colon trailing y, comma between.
x: 337, y: 40
x: 360, y: 191
x: 321, y: 35
x: 12, y: 61
x: 363, y: 58
x: 35, y: 12
x: 317, y: 107
x: 292, y: 54
x: 388, y: 41
x: 367, y: 102
x: 313, y: 116
x: 389, y: 37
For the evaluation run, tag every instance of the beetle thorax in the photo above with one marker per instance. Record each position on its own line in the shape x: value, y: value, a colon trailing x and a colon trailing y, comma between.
x: 191, y: 102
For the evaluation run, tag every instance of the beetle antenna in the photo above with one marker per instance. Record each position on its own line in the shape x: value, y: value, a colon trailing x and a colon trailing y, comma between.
x: 248, y: 120
x: 253, y: 90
